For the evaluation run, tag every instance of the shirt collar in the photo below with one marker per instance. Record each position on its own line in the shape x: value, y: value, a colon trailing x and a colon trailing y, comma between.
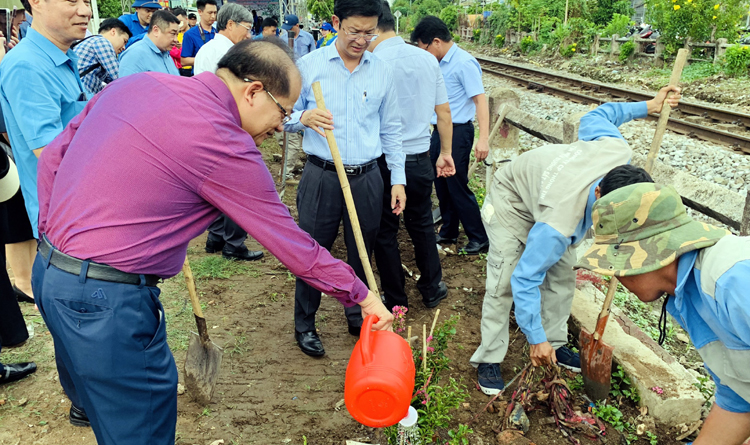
x: 58, y: 57
x: 153, y: 46
x: 134, y: 18
x: 591, y: 200
x: 333, y: 53
x: 449, y: 55
x: 219, y: 36
x: 221, y: 91
x: 685, y: 264
x: 387, y: 43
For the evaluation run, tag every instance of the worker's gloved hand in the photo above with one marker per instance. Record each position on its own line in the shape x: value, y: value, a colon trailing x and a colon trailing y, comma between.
x: 372, y: 305
x: 542, y: 354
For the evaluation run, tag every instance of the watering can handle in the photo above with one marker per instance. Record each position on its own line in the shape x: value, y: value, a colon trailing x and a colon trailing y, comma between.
x: 364, y: 340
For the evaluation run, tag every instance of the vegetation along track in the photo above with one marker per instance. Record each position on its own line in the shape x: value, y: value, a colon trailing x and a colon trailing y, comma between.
x: 695, y: 120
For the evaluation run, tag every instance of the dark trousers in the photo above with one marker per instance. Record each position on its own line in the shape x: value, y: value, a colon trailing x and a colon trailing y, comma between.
x: 321, y: 207
x: 419, y: 223
x: 12, y: 325
x: 111, y: 353
x: 457, y: 201
x: 223, y: 229
x: 186, y: 72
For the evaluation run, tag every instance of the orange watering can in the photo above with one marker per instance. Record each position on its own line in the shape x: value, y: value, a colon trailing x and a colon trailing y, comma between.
x: 379, y: 377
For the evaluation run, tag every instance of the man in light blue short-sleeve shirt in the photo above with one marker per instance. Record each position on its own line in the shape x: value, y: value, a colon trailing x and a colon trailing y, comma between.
x: 152, y: 52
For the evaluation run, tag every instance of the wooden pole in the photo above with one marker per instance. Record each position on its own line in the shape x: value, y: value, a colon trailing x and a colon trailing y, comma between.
x: 434, y: 321
x: 661, y: 126
x: 501, y: 117
x: 348, y: 198
x: 424, y: 347
x: 408, y: 335
x: 745, y: 224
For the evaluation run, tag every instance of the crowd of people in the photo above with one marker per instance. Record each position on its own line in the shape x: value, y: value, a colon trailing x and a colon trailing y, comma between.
x: 106, y: 198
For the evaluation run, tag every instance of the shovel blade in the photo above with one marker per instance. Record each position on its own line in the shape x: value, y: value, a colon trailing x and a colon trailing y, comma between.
x: 202, y: 368
x: 596, y: 366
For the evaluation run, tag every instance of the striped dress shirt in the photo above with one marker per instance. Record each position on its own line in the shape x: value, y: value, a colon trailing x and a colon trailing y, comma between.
x: 364, y: 104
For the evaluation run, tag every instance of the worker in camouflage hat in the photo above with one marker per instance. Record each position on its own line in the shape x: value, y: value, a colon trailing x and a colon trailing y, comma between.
x: 645, y: 237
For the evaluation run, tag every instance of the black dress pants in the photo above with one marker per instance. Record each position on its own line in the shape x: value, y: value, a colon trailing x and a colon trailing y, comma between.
x: 223, y: 229
x: 12, y: 325
x: 419, y: 223
x: 457, y: 201
x: 321, y: 207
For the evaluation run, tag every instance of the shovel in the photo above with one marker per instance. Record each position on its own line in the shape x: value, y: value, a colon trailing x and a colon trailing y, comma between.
x: 204, y: 356
x: 596, y: 356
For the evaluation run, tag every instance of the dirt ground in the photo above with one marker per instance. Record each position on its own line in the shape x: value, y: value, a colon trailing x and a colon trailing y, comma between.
x: 269, y: 392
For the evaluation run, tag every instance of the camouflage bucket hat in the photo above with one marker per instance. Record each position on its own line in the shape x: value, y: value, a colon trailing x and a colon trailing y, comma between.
x: 641, y: 228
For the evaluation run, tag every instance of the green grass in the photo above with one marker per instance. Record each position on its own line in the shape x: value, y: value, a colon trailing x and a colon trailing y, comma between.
x: 691, y: 73
x: 216, y: 267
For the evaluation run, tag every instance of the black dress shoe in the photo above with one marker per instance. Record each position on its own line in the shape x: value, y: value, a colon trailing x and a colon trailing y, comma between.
x: 310, y: 343
x: 22, y: 297
x: 439, y: 296
x: 441, y: 240
x: 214, y: 246
x: 16, y: 371
x: 475, y: 248
x: 355, y: 330
x: 243, y: 255
x: 78, y: 417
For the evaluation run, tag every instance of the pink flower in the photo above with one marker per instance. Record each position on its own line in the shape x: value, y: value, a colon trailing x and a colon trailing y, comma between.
x: 657, y: 390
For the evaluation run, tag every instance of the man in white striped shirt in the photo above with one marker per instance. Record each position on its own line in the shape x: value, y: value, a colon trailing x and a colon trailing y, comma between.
x: 364, y: 116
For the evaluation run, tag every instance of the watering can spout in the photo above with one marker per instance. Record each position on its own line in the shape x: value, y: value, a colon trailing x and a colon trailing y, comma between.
x: 411, y: 418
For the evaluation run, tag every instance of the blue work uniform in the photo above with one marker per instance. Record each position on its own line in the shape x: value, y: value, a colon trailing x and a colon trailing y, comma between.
x: 194, y: 39
x: 146, y: 56
x: 134, y: 25
x: 40, y: 92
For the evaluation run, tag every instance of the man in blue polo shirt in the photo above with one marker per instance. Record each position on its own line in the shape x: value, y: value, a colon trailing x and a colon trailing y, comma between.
x: 152, y: 52
x: 463, y: 80
x: 304, y: 42
x: 40, y: 92
x: 197, y: 36
x: 138, y: 21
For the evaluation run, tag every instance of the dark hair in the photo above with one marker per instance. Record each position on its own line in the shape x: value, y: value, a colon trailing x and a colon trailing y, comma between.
x: 269, y: 61
x: 179, y: 11
x: 201, y: 4
x: 357, y: 8
x: 253, y: 12
x: 192, y: 16
x: 111, y: 23
x: 386, y: 22
x: 161, y: 19
x: 269, y: 21
x: 27, y: 6
x: 429, y: 29
x: 623, y: 176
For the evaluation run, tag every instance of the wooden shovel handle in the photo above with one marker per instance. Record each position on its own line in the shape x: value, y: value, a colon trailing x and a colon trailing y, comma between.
x: 190, y: 282
x: 348, y: 198
x: 501, y: 117
x: 601, y: 322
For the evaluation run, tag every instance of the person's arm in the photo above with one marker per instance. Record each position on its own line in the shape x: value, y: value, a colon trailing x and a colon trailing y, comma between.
x: 724, y: 427
x: 242, y: 188
x: 483, y: 119
x: 130, y: 64
x: 107, y: 57
x: 390, y: 140
x: 188, y: 50
x: 445, y: 165
x: 545, y: 246
x: 605, y: 119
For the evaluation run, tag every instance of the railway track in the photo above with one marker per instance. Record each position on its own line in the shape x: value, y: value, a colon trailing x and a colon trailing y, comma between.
x: 691, y: 119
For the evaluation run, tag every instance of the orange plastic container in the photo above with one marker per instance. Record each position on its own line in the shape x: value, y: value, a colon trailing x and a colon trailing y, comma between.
x: 379, y: 378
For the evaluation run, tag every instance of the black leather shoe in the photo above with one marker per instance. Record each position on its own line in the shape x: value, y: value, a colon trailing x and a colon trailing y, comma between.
x: 475, y: 248
x: 355, y: 330
x: 78, y: 417
x: 439, y: 296
x: 214, y: 246
x: 441, y: 240
x: 22, y: 296
x: 310, y: 343
x: 243, y: 255
x: 16, y: 371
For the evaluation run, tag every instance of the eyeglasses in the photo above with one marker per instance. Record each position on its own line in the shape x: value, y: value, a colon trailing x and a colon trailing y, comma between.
x: 286, y: 118
x: 354, y: 36
x: 246, y: 27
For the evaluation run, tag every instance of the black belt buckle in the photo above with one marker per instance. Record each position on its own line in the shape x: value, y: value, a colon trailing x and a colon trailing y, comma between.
x: 351, y: 169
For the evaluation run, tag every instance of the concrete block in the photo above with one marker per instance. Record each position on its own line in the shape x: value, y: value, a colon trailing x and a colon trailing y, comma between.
x: 680, y: 402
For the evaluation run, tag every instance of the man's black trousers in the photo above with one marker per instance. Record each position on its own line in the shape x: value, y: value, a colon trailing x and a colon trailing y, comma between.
x: 419, y: 223
x: 321, y: 207
x: 457, y: 201
x: 223, y: 229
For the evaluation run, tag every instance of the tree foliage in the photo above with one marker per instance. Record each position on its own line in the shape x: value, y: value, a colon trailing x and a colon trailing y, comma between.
x: 322, y: 10
x: 449, y: 15
x: 700, y: 20
x: 109, y: 8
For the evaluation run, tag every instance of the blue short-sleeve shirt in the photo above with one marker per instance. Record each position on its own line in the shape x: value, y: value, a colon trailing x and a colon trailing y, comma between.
x: 145, y: 56
x: 463, y: 81
x: 134, y: 25
x: 194, y: 38
x: 40, y: 92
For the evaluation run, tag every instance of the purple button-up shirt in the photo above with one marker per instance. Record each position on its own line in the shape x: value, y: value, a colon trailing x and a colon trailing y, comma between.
x: 130, y: 186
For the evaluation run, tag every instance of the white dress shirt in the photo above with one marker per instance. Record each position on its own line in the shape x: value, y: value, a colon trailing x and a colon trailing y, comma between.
x: 209, y: 55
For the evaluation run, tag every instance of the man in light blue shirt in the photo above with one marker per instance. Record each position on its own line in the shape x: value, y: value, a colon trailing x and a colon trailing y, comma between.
x: 304, y: 42
x: 538, y: 208
x: 362, y: 111
x: 138, y: 21
x: 418, y: 101
x: 152, y: 52
x: 463, y: 81
x: 40, y: 89
x: 646, y: 239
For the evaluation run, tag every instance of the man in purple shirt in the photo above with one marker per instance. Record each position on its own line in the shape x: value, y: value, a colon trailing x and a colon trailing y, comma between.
x: 127, y: 196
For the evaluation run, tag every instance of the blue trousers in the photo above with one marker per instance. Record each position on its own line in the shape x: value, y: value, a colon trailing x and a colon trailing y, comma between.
x: 112, y: 354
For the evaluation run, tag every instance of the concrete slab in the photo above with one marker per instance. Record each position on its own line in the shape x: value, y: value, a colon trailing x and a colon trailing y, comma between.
x: 680, y: 401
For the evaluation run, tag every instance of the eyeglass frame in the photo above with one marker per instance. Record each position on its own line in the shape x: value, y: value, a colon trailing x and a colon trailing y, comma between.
x: 358, y: 35
x: 287, y: 117
x: 248, y: 28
